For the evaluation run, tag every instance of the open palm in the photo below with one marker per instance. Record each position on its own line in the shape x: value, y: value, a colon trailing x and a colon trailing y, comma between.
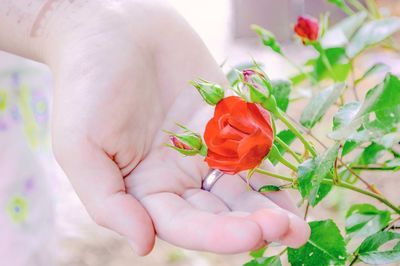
x: 116, y: 89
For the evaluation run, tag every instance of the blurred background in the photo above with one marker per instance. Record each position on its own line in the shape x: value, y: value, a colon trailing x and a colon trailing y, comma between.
x: 224, y: 25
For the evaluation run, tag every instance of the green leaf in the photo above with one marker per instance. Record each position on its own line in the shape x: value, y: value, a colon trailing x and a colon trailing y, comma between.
x: 259, y: 253
x: 299, y: 78
x: 371, y: 154
x: 270, y: 261
x: 365, y: 219
x: 287, y: 136
x: 375, y: 68
x: 372, y: 33
x: 341, y: 4
x: 311, y: 173
x: 319, y: 104
x: 325, y: 247
x: 349, y: 146
x: 368, y: 251
x: 269, y: 188
x: 281, y: 90
x: 267, y: 38
x: 378, y: 115
x: 338, y: 61
x: 345, y: 113
x: 340, y: 34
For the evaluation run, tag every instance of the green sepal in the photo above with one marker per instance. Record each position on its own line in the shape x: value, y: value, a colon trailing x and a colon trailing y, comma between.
x: 204, y: 150
x: 212, y: 93
x: 270, y: 105
x: 192, y: 140
x: 183, y: 151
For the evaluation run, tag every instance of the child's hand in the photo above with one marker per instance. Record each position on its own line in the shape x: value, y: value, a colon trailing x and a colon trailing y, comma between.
x: 121, y: 73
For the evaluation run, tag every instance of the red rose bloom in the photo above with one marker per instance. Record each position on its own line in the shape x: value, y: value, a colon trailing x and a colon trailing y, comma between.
x: 307, y: 28
x: 238, y: 137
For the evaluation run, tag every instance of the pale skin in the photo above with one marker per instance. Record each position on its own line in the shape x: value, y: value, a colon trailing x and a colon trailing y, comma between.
x: 121, y: 71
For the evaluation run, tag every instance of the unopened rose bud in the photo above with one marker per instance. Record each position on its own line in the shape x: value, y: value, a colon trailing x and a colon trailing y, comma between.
x: 188, y: 144
x: 253, y: 77
x: 307, y: 28
x: 258, y: 85
x: 179, y: 144
x: 212, y: 93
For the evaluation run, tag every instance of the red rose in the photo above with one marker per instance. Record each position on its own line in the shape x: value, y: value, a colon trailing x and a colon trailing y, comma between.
x: 307, y: 28
x: 238, y: 137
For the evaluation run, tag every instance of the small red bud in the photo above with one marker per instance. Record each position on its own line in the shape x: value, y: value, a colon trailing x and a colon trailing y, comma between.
x: 179, y: 144
x: 307, y: 28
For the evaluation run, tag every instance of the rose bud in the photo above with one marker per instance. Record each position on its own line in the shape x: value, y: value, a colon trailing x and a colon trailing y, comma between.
x: 239, y: 136
x: 253, y: 77
x: 307, y: 28
x: 260, y: 88
x: 188, y: 144
x: 212, y: 93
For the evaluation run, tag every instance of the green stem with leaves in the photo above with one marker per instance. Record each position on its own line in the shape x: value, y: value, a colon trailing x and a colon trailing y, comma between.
x: 325, y: 60
x: 340, y: 184
x: 295, y: 131
x: 288, y: 150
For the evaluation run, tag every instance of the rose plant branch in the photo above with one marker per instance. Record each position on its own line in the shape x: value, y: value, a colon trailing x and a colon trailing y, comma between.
x: 289, y: 150
x: 243, y: 133
x: 369, y: 186
x: 339, y: 184
x: 309, y: 147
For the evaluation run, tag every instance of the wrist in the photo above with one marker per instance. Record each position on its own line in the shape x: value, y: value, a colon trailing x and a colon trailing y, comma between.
x: 23, y: 27
x: 38, y: 29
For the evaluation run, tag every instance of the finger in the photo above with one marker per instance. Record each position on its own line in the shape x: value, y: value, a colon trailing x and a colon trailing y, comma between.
x: 281, y: 198
x: 294, y: 233
x: 273, y: 221
x: 237, y: 196
x: 99, y: 184
x: 298, y: 233
x: 177, y: 222
x: 205, y: 201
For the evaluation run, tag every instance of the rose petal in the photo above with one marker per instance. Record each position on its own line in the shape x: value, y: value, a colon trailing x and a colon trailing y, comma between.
x: 226, y: 147
x: 226, y: 105
x: 257, y: 142
x: 261, y: 118
x: 229, y: 132
x: 226, y: 164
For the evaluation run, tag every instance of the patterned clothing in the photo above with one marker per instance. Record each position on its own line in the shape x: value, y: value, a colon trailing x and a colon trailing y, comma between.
x: 26, y: 209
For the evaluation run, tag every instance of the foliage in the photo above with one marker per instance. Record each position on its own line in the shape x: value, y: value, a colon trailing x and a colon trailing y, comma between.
x: 365, y: 135
x: 368, y: 129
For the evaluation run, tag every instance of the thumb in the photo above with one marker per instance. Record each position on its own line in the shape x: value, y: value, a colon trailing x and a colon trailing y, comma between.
x: 100, y: 185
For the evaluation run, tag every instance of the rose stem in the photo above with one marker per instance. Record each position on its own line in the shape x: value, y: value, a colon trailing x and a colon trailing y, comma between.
x: 288, y: 149
x: 340, y: 184
x: 373, y: 168
x: 317, y: 45
x: 275, y: 175
x: 288, y: 164
x: 365, y: 182
x: 306, y: 144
